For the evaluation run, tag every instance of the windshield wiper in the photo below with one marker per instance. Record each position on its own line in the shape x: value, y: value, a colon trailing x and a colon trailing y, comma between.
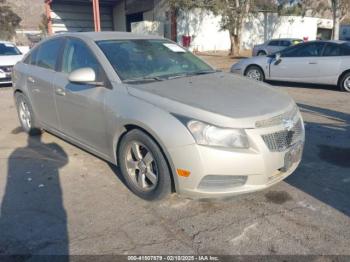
x: 204, y: 72
x: 143, y: 79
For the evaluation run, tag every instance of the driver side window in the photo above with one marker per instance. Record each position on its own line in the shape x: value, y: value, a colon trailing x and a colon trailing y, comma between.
x: 306, y: 50
x: 77, y: 55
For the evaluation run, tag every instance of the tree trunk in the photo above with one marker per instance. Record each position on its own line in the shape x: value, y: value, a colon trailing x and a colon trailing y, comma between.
x: 232, y: 48
x: 336, y: 19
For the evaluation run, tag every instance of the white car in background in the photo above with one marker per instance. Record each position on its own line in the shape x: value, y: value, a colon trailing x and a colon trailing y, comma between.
x: 9, y: 56
x: 316, y: 62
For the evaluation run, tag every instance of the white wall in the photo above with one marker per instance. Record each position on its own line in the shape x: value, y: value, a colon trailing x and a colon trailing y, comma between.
x: 281, y: 27
x: 204, y: 28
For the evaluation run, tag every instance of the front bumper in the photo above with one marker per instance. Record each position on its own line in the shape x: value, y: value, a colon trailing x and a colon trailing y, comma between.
x: 5, y: 78
x: 260, y: 167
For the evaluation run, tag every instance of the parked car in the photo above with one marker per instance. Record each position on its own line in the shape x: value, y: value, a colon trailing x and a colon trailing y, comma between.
x: 275, y: 45
x: 9, y: 56
x: 318, y: 62
x: 168, y: 119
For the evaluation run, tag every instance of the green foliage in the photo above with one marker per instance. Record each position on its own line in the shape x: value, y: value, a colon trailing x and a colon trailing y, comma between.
x: 9, y: 22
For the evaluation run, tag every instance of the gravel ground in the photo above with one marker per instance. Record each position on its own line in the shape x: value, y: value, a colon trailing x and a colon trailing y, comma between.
x: 58, y: 199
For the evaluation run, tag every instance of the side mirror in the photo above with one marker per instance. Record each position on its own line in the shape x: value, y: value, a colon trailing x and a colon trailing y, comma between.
x: 84, y: 75
x: 278, y: 57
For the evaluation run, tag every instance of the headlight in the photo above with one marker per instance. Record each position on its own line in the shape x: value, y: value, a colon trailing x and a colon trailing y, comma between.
x: 209, y: 135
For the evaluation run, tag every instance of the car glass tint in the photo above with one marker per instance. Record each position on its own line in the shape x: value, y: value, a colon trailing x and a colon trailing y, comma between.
x: 136, y: 59
x: 285, y: 43
x: 8, y: 49
x: 77, y: 55
x: 332, y: 50
x: 346, y: 49
x: 274, y: 43
x: 48, y: 54
x: 304, y: 50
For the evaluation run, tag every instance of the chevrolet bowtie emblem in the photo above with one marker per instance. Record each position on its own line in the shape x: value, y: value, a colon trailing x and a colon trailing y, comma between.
x: 288, y: 124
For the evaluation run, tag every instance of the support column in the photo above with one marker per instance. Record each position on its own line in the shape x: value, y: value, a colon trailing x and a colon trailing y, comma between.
x: 48, y: 16
x: 96, y: 11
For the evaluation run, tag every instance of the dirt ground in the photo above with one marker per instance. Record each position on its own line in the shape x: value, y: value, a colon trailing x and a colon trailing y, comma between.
x: 58, y: 199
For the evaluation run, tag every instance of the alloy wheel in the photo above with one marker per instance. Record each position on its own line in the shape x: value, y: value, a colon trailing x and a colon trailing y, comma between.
x: 254, y: 74
x: 141, y: 166
x: 24, y: 115
x: 346, y: 84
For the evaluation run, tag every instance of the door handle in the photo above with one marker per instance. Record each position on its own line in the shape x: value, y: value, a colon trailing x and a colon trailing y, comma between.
x: 312, y: 63
x: 31, y: 79
x: 60, y: 92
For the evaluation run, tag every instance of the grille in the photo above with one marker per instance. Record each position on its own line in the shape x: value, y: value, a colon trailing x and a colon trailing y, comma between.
x: 6, y: 69
x: 280, y: 141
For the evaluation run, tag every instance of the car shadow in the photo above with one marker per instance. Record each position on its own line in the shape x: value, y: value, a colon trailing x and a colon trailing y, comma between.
x: 303, y: 85
x: 324, y: 172
x: 33, y: 220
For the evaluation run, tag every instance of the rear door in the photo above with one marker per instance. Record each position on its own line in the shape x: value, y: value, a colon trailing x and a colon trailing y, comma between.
x: 299, y: 63
x: 41, y: 71
x: 330, y: 64
x: 81, y: 106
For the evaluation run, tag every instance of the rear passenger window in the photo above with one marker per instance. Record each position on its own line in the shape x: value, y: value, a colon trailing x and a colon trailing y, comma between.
x: 285, y: 43
x: 346, y: 50
x: 48, y: 54
x: 332, y: 50
x: 274, y: 43
x: 31, y: 58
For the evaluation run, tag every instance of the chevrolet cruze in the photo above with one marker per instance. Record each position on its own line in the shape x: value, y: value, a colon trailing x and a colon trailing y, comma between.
x: 166, y: 118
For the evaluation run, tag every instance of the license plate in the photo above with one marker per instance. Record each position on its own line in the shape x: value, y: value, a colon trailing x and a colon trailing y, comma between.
x: 292, y: 156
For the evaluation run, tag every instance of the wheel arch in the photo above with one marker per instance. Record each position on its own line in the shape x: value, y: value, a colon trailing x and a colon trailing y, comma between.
x: 341, y: 76
x: 251, y: 65
x: 132, y: 126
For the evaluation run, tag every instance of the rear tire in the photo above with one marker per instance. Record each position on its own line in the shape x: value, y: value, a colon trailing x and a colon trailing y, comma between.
x: 255, y: 72
x: 144, y: 166
x: 344, y: 83
x: 26, y: 115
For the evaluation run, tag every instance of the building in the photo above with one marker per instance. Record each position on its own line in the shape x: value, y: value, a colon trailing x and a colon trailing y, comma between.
x: 156, y: 17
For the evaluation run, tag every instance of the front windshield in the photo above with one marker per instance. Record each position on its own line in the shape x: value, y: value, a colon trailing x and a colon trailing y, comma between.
x: 142, y: 59
x: 8, y: 49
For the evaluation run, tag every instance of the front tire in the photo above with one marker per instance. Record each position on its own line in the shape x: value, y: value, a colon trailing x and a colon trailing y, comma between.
x: 26, y: 115
x: 255, y: 72
x: 144, y: 166
x: 262, y: 53
x: 344, y: 83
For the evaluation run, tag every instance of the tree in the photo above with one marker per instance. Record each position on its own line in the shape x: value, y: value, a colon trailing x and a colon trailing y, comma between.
x: 9, y: 21
x: 340, y: 10
x: 232, y: 12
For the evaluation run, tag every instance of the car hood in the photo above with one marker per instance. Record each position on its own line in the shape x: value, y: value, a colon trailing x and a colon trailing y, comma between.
x: 220, y: 98
x: 9, y: 60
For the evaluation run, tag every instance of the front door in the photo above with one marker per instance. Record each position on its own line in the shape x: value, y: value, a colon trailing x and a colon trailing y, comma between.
x: 298, y: 64
x: 80, y: 107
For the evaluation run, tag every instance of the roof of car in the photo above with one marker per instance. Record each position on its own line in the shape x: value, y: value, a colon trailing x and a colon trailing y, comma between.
x: 109, y: 35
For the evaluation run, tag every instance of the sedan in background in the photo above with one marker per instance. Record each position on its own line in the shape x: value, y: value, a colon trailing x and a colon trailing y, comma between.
x: 9, y: 56
x: 274, y: 45
x: 316, y: 62
x: 166, y: 118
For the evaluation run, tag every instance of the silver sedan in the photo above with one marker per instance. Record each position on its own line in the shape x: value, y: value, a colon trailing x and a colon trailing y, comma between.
x: 166, y: 118
x: 317, y: 62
